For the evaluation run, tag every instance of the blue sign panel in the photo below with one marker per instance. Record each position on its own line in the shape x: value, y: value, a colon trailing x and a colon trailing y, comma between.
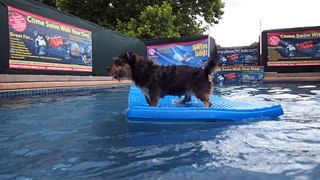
x: 194, y: 53
x: 238, y: 56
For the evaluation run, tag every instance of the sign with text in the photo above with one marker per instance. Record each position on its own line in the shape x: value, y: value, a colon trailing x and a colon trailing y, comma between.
x: 238, y: 56
x: 40, y: 43
x: 239, y: 75
x: 193, y: 53
x: 293, y: 48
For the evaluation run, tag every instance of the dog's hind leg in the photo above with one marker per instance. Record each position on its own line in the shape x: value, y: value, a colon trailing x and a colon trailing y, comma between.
x: 186, y: 98
x: 205, y: 99
x: 207, y: 103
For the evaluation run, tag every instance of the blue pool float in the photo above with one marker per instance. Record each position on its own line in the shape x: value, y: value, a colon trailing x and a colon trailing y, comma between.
x: 194, y: 111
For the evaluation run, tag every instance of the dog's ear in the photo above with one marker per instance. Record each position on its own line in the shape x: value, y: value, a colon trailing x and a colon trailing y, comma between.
x: 35, y: 33
x: 129, y: 55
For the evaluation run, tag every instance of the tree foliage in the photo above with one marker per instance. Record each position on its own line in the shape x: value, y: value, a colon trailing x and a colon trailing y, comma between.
x: 154, y: 22
x: 51, y: 3
x: 176, y: 17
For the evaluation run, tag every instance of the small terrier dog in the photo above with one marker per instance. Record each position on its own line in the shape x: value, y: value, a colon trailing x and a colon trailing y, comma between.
x: 157, y: 81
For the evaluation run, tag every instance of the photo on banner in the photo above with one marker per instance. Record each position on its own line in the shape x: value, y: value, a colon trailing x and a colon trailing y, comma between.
x: 40, y: 43
x: 192, y: 53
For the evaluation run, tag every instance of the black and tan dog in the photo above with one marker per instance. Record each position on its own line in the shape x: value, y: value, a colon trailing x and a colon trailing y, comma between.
x: 158, y: 81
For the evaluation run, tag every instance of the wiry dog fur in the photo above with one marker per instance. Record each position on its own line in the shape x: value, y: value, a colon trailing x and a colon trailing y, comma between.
x: 158, y: 81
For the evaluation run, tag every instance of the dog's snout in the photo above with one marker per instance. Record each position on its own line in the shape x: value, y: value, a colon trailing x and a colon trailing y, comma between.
x: 108, y: 68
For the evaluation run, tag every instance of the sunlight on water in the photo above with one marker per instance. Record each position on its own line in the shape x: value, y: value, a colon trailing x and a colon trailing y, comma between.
x: 267, y: 147
x: 307, y: 86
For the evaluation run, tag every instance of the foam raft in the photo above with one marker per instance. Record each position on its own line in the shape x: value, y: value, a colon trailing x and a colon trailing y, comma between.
x: 194, y: 111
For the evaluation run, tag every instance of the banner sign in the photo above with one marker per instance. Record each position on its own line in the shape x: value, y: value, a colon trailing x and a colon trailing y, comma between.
x: 40, y: 43
x: 239, y: 74
x: 238, y: 56
x: 194, y: 53
x: 294, y: 48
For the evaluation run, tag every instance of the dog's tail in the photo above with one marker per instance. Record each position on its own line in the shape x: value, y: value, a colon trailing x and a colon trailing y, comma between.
x: 211, y: 65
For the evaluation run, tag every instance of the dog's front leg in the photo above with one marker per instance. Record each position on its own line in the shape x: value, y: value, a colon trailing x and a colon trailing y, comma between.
x: 154, y: 99
x: 148, y: 100
x: 186, y: 98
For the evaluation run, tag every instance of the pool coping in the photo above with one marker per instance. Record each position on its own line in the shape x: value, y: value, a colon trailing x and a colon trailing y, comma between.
x: 22, y: 93
x: 36, y: 85
x: 15, y: 86
x: 16, y: 82
x: 291, y: 77
x: 18, y: 85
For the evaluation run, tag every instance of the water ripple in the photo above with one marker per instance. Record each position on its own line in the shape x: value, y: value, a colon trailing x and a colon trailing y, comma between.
x: 87, y: 136
x: 267, y: 147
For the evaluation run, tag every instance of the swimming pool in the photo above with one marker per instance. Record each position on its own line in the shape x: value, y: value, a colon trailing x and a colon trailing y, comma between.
x: 86, y: 136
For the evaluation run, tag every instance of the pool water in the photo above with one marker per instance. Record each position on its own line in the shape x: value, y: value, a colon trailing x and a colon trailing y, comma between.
x: 86, y: 136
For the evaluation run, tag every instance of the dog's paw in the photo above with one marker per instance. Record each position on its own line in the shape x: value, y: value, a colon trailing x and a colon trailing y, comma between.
x: 177, y: 101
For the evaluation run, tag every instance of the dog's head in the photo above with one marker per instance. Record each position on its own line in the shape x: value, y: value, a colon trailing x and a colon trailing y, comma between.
x: 120, y: 68
x: 40, y: 40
